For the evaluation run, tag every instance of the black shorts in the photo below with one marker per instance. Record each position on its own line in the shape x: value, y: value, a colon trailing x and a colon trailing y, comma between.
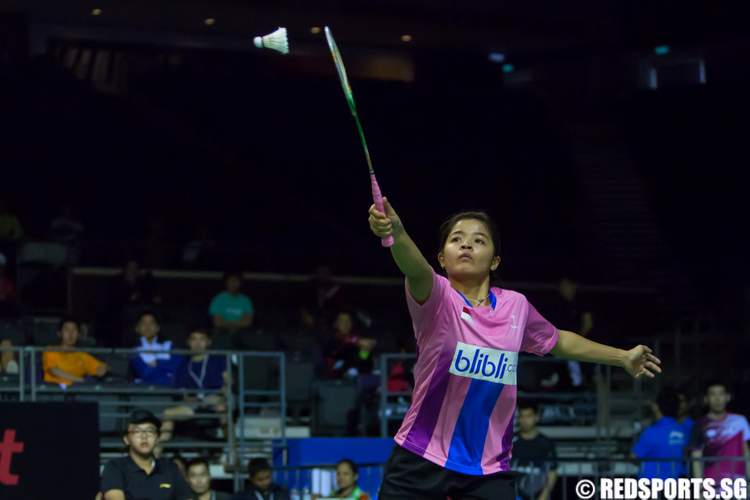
x: 410, y: 477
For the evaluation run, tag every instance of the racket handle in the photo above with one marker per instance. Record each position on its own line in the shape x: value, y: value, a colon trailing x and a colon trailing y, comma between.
x: 377, y: 198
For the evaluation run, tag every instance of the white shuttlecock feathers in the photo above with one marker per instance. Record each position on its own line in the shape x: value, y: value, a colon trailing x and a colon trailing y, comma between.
x: 275, y: 41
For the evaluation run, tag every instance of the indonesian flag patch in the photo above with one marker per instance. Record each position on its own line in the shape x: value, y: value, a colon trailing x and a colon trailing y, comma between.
x: 466, y: 314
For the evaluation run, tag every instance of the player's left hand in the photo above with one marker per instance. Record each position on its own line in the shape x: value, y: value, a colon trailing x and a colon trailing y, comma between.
x: 639, y: 361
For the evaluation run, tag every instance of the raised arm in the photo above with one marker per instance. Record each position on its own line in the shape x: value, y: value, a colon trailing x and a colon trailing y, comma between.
x: 637, y: 361
x: 407, y: 256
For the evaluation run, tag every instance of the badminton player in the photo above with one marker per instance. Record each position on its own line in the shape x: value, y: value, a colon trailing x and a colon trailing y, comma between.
x: 455, y: 440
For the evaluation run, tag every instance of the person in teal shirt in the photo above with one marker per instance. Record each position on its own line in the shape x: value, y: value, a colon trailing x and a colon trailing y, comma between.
x: 232, y: 310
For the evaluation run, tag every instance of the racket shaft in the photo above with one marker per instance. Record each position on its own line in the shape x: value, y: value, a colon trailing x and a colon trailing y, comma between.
x: 377, y: 198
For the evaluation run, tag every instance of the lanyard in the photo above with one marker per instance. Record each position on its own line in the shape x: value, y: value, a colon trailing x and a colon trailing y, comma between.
x: 198, y: 381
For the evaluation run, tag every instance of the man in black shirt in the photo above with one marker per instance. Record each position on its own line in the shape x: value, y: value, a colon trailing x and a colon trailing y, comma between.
x: 140, y: 475
x: 533, y: 455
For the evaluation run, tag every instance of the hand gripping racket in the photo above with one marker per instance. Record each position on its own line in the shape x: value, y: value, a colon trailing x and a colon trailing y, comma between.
x: 377, y: 197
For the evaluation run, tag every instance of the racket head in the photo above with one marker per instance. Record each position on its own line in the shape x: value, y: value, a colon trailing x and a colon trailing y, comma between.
x: 340, y: 69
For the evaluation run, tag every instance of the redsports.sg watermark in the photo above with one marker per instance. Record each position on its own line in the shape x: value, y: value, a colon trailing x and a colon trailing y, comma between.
x: 629, y: 488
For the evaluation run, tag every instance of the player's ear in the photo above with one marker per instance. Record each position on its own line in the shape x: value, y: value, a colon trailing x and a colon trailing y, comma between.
x: 495, y: 263
x: 441, y: 259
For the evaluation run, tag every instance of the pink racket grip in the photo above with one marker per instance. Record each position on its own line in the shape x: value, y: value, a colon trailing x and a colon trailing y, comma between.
x: 377, y: 197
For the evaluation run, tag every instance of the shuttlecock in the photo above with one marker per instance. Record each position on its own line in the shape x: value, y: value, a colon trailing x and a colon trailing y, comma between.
x: 275, y: 41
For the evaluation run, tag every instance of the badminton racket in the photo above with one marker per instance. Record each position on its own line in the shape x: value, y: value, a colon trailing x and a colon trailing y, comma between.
x: 377, y: 196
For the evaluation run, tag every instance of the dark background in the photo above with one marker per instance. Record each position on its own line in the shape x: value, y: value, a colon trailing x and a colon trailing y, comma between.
x: 61, y: 453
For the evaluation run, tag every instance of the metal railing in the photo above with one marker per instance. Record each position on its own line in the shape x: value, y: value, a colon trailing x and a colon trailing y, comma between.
x: 117, y: 396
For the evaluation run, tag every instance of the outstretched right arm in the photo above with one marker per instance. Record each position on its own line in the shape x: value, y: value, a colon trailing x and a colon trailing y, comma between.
x: 407, y: 256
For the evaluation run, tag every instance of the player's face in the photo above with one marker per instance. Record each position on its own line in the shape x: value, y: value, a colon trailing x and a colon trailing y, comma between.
x: 468, y: 252
x: 261, y: 480
x: 142, y: 439
x: 69, y: 334
x: 717, y: 398
x: 527, y: 419
x: 198, y: 479
x: 345, y: 476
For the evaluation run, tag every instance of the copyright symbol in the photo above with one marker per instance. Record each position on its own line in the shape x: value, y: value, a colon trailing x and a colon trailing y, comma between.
x: 585, y: 489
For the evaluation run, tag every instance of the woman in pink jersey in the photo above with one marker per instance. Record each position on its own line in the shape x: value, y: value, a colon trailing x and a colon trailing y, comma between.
x: 455, y: 440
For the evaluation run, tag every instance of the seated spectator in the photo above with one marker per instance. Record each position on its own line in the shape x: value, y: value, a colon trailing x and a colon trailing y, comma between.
x: 134, y: 287
x: 8, y: 363
x: 197, y: 251
x: 140, y: 474
x: 198, y: 371
x: 664, y: 439
x: 67, y: 230
x: 259, y: 483
x: 347, y: 354
x: 346, y: 479
x: 231, y: 310
x: 8, y: 302
x: 154, y: 365
x: 198, y: 476
x: 534, y: 455
x: 67, y: 366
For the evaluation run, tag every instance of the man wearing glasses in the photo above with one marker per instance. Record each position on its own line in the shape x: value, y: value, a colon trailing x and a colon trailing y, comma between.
x: 139, y: 475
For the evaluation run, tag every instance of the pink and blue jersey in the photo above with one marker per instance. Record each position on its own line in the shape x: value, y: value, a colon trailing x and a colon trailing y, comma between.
x: 722, y: 438
x: 464, y: 399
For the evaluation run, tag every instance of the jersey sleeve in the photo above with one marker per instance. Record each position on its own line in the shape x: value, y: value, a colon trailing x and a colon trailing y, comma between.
x: 91, y: 364
x: 248, y: 307
x: 112, y: 478
x: 540, y: 336
x: 423, y: 315
x: 215, y: 307
x: 643, y: 445
x: 182, y: 490
x: 50, y: 360
x: 745, y: 430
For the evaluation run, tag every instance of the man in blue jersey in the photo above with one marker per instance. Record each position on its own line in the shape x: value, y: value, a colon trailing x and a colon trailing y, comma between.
x: 665, y: 439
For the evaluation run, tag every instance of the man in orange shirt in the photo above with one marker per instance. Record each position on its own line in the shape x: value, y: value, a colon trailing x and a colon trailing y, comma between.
x: 67, y: 366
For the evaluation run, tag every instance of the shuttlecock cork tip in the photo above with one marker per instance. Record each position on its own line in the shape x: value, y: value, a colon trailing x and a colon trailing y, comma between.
x: 258, y: 41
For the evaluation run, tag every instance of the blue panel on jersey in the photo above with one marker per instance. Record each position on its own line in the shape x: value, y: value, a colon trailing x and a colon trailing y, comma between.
x: 467, y: 443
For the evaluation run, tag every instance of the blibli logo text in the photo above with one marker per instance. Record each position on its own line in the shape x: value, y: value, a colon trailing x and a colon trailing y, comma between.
x: 483, y: 363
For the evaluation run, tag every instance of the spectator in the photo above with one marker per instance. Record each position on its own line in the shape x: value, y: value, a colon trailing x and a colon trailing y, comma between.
x: 231, y: 310
x: 154, y: 365
x: 346, y: 479
x: 572, y: 315
x: 534, y: 455
x: 347, y: 354
x: 135, y: 287
x: 8, y: 363
x: 720, y: 434
x: 140, y: 474
x: 10, y: 226
x: 664, y: 439
x: 8, y: 303
x: 259, y: 483
x: 67, y: 230
x: 197, y: 251
x: 195, y: 372
x: 67, y: 366
x: 328, y: 294
x: 199, y: 480
x: 304, y: 339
